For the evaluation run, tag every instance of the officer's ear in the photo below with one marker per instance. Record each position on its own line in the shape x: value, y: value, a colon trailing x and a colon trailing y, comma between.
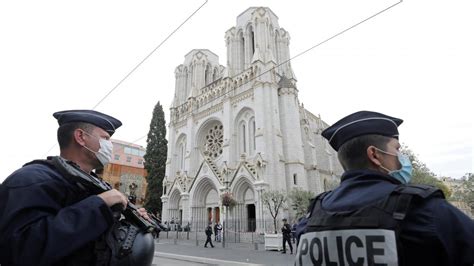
x: 78, y: 136
x: 374, y: 156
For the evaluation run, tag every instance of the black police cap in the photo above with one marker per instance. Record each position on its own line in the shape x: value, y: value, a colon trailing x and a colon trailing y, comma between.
x: 106, y: 122
x: 359, y: 124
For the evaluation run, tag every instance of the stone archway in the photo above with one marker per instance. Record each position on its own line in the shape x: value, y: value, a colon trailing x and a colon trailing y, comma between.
x: 244, y: 213
x: 175, y: 208
x: 205, y: 208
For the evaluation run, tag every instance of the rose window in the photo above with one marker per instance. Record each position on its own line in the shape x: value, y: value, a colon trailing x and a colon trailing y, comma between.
x: 214, y: 141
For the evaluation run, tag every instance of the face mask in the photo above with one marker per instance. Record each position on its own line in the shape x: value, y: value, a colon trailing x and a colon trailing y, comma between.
x: 104, y: 155
x: 404, y: 173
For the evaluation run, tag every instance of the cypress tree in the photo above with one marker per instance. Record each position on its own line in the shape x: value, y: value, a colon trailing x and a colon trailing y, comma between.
x: 155, y: 159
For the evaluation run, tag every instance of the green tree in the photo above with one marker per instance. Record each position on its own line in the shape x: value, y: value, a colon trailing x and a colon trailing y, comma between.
x: 468, y: 185
x: 300, y: 200
x: 274, y: 200
x: 466, y: 191
x: 155, y: 159
x: 422, y: 174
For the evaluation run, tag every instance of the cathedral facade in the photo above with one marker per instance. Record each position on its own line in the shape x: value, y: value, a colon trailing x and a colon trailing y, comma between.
x: 240, y: 128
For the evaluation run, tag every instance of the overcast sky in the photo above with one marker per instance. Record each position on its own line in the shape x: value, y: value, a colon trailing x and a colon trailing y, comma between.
x: 414, y: 61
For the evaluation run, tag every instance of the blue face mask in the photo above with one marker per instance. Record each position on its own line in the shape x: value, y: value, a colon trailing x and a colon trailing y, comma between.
x: 404, y: 173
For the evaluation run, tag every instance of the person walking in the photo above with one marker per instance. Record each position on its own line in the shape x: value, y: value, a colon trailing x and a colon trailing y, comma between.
x: 208, y: 235
x: 286, y: 231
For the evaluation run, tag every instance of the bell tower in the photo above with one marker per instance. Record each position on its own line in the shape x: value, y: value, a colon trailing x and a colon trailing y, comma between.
x: 257, y: 37
x: 201, y: 67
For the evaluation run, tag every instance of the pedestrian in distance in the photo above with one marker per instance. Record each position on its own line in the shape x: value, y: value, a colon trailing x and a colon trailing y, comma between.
x: 219, y: 232
x: 375, y: 216
x: 286, y: 231
x: 208, y: 232
x: 293, y: 232
x: 215, y: 232
x: 48, y: 215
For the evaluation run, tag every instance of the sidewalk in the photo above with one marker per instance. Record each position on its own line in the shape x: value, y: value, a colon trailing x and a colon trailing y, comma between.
x: 232, y: 254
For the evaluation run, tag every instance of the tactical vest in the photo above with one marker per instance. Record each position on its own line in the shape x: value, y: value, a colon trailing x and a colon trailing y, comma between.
x: 125, y: 243
x: 366, y: 236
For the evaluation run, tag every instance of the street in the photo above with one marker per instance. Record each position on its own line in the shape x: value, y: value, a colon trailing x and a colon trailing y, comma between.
x: 185, y: 252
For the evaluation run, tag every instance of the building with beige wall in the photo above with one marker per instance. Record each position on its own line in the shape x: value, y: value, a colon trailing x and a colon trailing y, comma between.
x: 126, y: 171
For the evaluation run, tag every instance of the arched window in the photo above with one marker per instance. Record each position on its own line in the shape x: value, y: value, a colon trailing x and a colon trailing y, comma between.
x: 252, y: 143
x: 249, y: 45
x: 189, y: 80
x: 252, y: 42
x: 186, y: 84
x: 206, y: 75
x: 181, y: 156
x: 277, y: 55
x: 243, y: 137
x: 242, y: 53
x: 215, y: 75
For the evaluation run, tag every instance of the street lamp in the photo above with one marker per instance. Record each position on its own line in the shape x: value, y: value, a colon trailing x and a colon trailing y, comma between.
x: 226, y: 183
x: 225, y: 202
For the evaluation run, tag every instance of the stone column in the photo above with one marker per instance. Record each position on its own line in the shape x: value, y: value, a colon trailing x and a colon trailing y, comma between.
x: 164, y: 210
x: 260, y: 187
x: 186, y: 209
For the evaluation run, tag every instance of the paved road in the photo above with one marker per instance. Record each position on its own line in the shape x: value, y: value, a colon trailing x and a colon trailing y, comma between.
x: 185, y: 252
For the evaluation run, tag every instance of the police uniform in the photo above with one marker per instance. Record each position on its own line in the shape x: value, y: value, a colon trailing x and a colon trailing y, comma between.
x: 44, y: 218
x: 286, y: 232
x: 430, y: 232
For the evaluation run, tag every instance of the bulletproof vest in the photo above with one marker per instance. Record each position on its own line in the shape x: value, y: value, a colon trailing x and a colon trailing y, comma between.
x: 366, y: 236
x: 125, y: 243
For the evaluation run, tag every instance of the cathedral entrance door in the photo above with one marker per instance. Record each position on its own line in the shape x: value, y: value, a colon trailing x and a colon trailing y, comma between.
x: 251, y: 222
x: 209, y: 215
x: 217, y: 215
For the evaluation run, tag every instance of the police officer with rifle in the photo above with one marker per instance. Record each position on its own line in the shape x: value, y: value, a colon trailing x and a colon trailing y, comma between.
x: 58, y: 212
x: 375, y: 217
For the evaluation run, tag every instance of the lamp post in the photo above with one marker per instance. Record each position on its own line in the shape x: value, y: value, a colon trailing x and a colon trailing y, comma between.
x: 226, y: 183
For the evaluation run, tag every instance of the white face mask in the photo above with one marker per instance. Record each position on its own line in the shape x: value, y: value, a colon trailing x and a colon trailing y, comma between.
x: 104, y: 155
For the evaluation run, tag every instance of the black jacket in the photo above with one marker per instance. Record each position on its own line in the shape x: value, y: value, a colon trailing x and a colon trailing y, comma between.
x: 46, y: 220
x: 434, y: 231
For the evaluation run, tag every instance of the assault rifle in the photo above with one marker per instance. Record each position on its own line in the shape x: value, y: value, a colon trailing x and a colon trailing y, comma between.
x: 96, y: 186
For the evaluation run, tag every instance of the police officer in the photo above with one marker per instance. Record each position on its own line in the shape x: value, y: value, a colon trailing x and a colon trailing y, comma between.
x: 208, y: 232
x: 44, y: 218
x: 374, y: 216
x: 286, y: 232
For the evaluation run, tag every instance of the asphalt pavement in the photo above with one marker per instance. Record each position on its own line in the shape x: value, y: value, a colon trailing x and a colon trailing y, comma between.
x: 186, y: 252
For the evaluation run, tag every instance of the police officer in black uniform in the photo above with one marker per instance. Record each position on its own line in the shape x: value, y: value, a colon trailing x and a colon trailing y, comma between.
x: 375, y: 217
x: 44, y: 218
x: 208, y: 232
x: 286, y: 232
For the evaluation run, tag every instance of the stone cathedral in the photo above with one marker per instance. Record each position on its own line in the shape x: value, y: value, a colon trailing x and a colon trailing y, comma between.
x: 241, y: 128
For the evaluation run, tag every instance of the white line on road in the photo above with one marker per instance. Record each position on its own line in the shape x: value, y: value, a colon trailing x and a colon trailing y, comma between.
x: 203, y: 260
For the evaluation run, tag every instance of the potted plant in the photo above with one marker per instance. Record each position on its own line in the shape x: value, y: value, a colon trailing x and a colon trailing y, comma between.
x: 228, y: 200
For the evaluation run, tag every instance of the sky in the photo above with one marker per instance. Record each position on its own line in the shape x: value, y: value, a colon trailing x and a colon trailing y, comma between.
x: 413, y: 61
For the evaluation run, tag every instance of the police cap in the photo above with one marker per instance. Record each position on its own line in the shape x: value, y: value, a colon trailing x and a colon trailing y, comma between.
x: 359, y: 124
x: 106, y: 122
